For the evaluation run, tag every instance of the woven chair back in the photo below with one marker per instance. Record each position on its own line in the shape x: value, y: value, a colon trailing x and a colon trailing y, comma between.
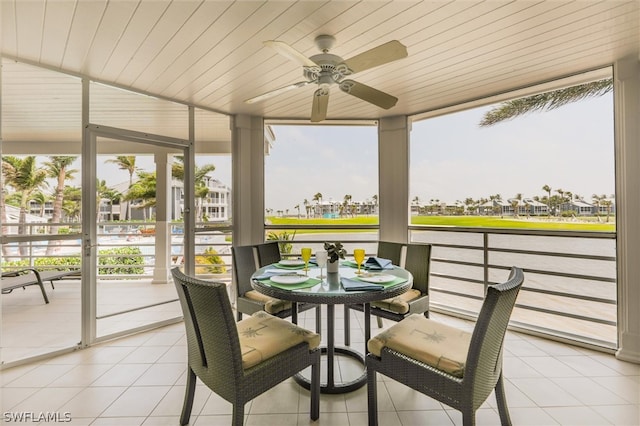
x: 244, y: 265
x: 212, y: 337
x: 418, y: 262
x: 484, y: 360
x: 268, y: 253
x: 390, y: 250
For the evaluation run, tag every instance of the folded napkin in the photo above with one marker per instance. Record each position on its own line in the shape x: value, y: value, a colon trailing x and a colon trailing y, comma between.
x: 357, y: 285
x: 378, y: 263
x: 270, y: 273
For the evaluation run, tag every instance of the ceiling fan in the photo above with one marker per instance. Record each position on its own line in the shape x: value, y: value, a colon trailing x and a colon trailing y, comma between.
x: 326, y: 69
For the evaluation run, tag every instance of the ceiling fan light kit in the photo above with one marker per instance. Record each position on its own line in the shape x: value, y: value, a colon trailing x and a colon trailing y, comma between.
x: 326, y: 69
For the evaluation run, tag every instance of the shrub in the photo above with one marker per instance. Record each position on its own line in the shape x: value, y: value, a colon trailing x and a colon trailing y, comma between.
x: 120, y: 261
x: 283, y: 237
x: 210, y: 263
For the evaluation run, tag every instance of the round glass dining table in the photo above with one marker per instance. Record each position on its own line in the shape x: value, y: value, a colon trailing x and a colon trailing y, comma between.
x: 330, y: 291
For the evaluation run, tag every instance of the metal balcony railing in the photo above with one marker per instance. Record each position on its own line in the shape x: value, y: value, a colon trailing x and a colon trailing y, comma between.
x: 570, y: 289
x: 570, y: 277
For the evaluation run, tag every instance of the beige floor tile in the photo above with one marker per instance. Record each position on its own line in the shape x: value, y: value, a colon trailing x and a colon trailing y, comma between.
x: 619, y: 414
x: 140, y: 380
x: 92, y: 401
x: 576, y: 416
x: 47, y: 400
x: 137, y: 401
x: 326, y: 419
x: 122, y: 375
x: 162, y: 374
x: 429, y: 417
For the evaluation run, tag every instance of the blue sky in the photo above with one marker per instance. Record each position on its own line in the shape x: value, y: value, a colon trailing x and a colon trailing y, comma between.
x: 452, y: 158
x: 570, y: 148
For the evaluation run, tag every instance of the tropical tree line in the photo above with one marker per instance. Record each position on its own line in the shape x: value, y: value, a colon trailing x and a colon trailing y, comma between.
x: 347, y: 207
x: 25, y: 181
x: 554, y: 199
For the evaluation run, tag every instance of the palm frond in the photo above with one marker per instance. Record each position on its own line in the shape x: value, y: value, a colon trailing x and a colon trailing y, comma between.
x: 545, y: 101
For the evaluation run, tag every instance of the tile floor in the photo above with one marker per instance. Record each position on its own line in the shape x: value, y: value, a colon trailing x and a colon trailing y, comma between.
x: 139, y: 380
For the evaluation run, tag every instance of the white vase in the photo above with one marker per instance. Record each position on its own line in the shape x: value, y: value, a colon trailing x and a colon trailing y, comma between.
x: 332, y: 267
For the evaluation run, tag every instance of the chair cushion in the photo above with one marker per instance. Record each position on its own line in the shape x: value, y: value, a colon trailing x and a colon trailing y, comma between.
x: 271, y: 304
x: 398, y: 304
x: 438, y: 345
x: 263, y: 336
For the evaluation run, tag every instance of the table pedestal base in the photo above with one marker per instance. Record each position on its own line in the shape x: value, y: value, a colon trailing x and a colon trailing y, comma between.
x: 331, y: 387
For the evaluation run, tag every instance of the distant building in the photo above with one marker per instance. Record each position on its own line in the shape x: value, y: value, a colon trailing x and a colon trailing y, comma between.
x: 334, y: 209
x: 580, y: 207
x: 496, y: 207
x: 536, y: 208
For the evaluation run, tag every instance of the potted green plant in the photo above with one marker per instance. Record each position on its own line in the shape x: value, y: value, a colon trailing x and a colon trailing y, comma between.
x: 335, y: 252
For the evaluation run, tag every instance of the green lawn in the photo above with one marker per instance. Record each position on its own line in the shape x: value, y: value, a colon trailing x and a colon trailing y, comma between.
x: 588, y: 224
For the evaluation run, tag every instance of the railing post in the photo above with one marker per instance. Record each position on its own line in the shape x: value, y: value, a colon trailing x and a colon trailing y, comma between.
x: 485, y: 251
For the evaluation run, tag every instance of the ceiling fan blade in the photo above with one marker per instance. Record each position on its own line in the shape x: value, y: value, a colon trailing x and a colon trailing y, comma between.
x: 320, y: 105
x: 277, y: 91
x: 369, y: 94
x: 289, y: 52
x: 380, y: 55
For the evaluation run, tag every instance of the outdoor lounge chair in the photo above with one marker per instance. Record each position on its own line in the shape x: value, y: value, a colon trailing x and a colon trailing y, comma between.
x: 30, y: 276
x: 457, y: 368
x: 239, y: 361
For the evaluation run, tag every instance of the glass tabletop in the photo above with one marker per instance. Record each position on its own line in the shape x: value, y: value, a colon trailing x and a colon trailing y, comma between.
x: 290, y: 284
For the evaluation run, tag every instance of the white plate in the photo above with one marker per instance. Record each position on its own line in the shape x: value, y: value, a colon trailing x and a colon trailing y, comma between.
x: 291, y: 262
x: 377, y: 278
x: 289, y: 279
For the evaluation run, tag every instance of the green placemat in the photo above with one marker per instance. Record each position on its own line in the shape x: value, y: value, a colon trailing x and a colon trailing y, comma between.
x: 308, y: 283
x: 351, y: 264
x: 291, y: 267
x: 397, y: 280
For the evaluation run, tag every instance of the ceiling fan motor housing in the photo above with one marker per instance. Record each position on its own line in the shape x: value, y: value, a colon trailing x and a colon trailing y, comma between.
x: 330, y: 65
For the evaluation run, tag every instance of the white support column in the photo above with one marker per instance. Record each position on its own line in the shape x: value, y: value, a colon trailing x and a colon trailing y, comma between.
x: 247, y: 150
x: 161, y: 271
x: 393, y: 169
x: 627, y: 117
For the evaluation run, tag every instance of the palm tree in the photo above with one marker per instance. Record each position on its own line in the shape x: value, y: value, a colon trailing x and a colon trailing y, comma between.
x: 297, y: 206
x: 317, y: 198
x: 597, y: 201
x: 143, y: 189
x: 346, y: 202
x: 201, y: 189
x: 41, y: 199
x: 71, y: 204
x: 58, y: 168
x: 105, y: 193
x: 128, y: 163
x: 547, y: 188
x: 23, y: 175
x: 545, y: 101
x: 307, y: 207
x: 560, y: 199
x: 469, y: 204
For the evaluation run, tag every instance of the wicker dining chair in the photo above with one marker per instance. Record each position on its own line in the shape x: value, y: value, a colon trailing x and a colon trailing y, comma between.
x: 234, y: 360
x: 249, y: 301
x: 246, y: 260
x: 458, y: 368
x: 415, y: 300
x: 391, y: 250
x: 268, y: 253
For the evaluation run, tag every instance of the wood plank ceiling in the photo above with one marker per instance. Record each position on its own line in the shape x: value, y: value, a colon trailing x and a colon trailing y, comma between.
x: 210, y: 53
